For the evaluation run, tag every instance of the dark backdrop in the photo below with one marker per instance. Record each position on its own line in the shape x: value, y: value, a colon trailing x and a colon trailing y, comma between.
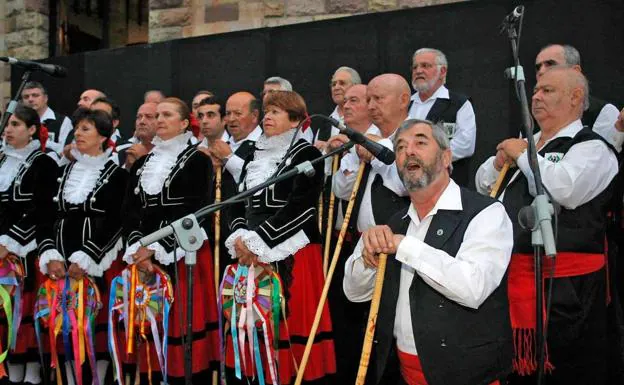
x: 307, y: 54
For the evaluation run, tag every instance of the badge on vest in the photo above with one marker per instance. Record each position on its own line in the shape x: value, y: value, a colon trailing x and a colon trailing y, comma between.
x: 553, y: 156
x: 51, y: 136
x: 450, y: 129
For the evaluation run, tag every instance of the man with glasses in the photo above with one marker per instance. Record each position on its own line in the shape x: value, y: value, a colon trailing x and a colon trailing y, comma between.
x: 434, y: 102
x: 602, y: 117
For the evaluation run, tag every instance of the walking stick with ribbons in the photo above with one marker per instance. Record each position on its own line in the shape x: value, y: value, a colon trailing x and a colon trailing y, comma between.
x: 330, y: 273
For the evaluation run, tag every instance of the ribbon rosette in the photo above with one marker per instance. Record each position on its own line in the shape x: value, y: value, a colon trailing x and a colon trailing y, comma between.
x: 142, y: 301
x: 11, y: 286
x: 69, y: 307
x: 250, y: 299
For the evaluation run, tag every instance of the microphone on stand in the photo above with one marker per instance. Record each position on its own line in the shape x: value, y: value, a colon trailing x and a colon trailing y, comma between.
x: 512, y: 18
x: 50, y: 69
x: 380, y: 152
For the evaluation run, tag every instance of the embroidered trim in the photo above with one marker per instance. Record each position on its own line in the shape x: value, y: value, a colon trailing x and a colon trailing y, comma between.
x: 280, y: 252
x: 158, y: 166
x: 46, y: 257
x: 93, y: 268
x: 17, y: 248
x: 229, y: 242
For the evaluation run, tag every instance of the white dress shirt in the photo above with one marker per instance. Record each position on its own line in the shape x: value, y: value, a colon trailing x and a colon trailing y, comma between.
x: 605, y: 126
x: 465, y: 136
x: 344, y: 180
x: 235, y: 164
x: 54, y: 143
x: 573, y: 178
x: 468, y: 278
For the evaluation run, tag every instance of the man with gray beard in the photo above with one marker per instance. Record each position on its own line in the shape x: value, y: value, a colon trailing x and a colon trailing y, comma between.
x: 444, y: 315
x: 434, y: 102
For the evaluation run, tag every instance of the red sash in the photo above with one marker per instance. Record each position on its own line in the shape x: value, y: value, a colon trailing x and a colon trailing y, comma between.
x: 522, y: 299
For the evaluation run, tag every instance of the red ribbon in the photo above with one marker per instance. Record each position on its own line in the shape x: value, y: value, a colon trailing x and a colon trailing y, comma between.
x: 306, y: 123
x: 43, y: 136
x: 194, y: 123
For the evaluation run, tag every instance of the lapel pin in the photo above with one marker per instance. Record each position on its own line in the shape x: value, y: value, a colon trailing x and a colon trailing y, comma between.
x: 439, y: 232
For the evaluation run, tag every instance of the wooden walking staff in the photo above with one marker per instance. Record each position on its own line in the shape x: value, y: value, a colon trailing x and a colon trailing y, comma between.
x: 499, y: 180
x: 330, y: 219
x: 330, y: 273
x: 372, y: 321
x: 217, y: 240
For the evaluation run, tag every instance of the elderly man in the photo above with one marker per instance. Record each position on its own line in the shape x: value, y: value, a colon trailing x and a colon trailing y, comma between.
x: 242, y: 114
x: 434, y: 102
x: 88, y: 96
x: 275, y: 83
x: 577, y: 167
x: 342, y: 79
x: 599, y: 115
x: 59, y: 126
x: 444, y: 302
x: 381, y: 191
x: 144, y: 132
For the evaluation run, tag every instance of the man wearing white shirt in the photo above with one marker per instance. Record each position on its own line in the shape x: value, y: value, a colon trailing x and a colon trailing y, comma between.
x: 577, y: 167
x: 381, y: 191
x: 242, y: 114
x: 444, y: 309
x: 59, y: 126
x: 434, y: 102
x: 600, y: 116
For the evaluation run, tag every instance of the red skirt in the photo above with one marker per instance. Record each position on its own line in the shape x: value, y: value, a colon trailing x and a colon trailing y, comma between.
x: 305, y: 293
x: 205, y: 325
x: 101, y: 321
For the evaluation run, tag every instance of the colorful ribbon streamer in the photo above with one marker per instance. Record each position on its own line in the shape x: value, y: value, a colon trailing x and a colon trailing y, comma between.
x: 69, y: 307
x: 11, y: 285
x: 141, y: 305
x: 251, y: 299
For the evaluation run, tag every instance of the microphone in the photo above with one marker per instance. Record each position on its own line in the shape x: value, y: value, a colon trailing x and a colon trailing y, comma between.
x: 515, y: 15
x: 380, y: 152
x: 50, y: 69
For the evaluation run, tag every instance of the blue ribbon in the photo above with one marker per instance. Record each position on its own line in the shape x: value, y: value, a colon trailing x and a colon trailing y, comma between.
x: 258, y: 358
x: 240, y: 270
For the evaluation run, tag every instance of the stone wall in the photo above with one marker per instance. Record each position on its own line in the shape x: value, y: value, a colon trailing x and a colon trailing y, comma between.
x: 24, y: 33
x: 174, y: 19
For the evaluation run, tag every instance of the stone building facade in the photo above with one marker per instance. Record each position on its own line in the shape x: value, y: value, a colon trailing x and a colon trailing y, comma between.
x: 25, y: 24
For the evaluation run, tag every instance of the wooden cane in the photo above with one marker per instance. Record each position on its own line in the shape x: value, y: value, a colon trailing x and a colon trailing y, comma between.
x: 217, y: 230
x: 499, y: 180
x: 330, y: 219
x: 330, y: 273
x: 372, y: 321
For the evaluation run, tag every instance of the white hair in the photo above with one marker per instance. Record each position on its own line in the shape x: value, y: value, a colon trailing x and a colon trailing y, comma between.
x: 283, y: 83
x: 355, y: 76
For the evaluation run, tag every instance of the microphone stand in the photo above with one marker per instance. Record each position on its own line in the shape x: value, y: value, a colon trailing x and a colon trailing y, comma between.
x: 190, y: 238
x: 13, y: 103
x: 542, y: 236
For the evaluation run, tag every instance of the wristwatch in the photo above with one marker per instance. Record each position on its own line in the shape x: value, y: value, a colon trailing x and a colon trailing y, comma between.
x: 226, y: 158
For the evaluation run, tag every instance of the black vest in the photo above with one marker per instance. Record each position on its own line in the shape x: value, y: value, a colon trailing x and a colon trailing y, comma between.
x: 595, y: 106
x: 54, y: 127
x: 445, y: 110
x: 456, y: 345
x: 581, y: 229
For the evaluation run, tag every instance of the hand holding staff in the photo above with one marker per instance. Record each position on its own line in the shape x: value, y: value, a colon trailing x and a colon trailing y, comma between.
x: 330, y: 273
x: 372, y: 321
x: 499, y: 180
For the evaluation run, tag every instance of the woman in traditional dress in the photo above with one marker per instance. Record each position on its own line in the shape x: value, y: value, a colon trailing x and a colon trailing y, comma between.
x: 26, y: 189
x: 172, y: 181
x: 85, y: 239
x: 277, y: 226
